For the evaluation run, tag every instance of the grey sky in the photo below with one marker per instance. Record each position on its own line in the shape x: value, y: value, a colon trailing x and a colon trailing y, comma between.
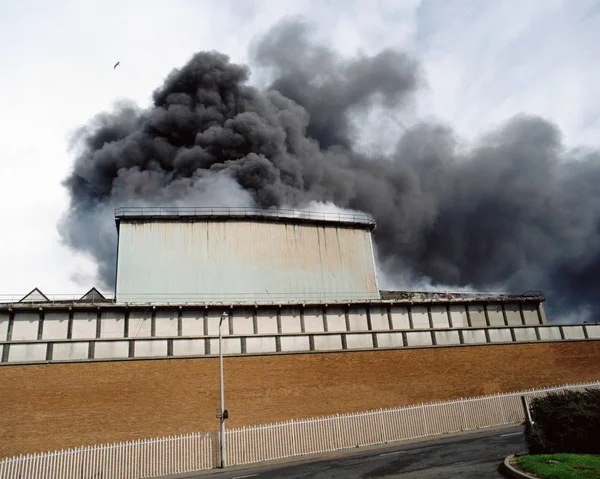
x: 483, y: 63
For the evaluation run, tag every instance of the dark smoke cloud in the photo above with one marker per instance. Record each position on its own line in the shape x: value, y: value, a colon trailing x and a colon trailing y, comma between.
x: 517, y: 211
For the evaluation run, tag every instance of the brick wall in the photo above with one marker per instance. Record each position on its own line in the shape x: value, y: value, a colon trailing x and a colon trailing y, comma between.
x: 44, y: 407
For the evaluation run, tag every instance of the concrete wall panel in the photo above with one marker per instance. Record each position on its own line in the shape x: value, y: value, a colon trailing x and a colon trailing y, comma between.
x: 192, y: 323
x: 25, y: 326
x: 313, y: 320
x: 112, y: 325
x: 26, y: 352
x: 111, y: 349
x: 420, y: 317
x: 379, y: 318
x: 530, y: 313
x: 291, y: 320
x: 150, y: 349
x: 188, y: 347
x: 359, y: 341
x: 243, y: 321
x: 3, y: 326
x: 459, y: 316
x: 357, y: 318
x: 267, y: 321
x: 260, y: 345
x: 593, y: 331
x: 573, y: 332
x: 474, y: 336
x: 495, y: 314
x: 525, y: 334
x: 56, y: 326
x: 513, y: 314
x: 295, y: 343
x: 84, y: 325
x: 549, y: 333
x: 214, y: 317
x: 439, y: 315
x: 166, y: 322
x: 390, y: 340
x: 336, y: 318
x: 400, y: 317
x: 418, y: 339
x: 477, y: 315
x: 230, y: 346
x: 447, y: 337
x: 500, y: 335
x: 140, y: 324
x: 328, y: 342
x: 70, y: 351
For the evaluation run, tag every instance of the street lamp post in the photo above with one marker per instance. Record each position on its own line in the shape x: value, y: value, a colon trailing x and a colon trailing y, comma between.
x: 222, y: 412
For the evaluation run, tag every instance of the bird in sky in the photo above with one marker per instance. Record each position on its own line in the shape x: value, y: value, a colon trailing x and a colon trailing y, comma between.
x: 116, y: 65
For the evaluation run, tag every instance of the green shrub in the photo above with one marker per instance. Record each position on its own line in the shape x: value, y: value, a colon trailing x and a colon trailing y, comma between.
x: 565, y: 422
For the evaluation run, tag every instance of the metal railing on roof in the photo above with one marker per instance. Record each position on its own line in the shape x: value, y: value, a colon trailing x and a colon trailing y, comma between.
x: 460, y: 295
x: 270, y: 298
x: 168, y: 211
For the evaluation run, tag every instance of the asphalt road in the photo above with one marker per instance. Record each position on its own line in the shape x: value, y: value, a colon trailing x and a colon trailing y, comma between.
x: 476, y: 455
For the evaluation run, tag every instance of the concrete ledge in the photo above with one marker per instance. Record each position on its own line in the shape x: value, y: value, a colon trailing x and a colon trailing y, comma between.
x: 510, y: 471
x: 229, y: 354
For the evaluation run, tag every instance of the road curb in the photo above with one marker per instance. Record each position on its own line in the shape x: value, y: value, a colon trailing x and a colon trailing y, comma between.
x: 510, y: 471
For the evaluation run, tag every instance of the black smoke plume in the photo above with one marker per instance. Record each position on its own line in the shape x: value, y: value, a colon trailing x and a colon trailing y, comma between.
x: 517, y: 211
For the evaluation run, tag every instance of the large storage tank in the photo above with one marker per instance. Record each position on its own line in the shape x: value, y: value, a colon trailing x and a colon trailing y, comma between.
x: 243, y: 255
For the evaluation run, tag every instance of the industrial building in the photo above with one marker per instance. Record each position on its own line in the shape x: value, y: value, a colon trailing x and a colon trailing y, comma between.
x: 243, y: 254
x: 290, y: 281
x: 305, y: 318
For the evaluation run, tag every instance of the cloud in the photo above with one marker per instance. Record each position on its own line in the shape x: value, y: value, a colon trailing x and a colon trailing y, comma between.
x: 505, y: 213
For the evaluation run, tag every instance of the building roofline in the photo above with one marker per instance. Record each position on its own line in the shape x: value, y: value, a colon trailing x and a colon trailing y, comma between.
x: 132, y: 213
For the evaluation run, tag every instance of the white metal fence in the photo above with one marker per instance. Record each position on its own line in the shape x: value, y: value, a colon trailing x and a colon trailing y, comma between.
x: 245, y: 445
x: 309, y: 436
x: 127, y: 460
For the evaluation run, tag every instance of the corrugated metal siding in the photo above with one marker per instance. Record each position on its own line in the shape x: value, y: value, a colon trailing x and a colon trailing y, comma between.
x: 243, y: 260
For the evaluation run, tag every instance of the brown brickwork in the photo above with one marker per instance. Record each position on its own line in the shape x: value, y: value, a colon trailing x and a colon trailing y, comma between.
x: 44, y: 407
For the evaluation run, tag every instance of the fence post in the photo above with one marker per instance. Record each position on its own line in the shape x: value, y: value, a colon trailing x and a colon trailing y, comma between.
x: 525, y: 403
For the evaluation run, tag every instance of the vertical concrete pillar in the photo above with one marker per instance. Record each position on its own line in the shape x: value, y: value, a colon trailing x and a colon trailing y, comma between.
x: 410, y: 318
x: 40, y: 332
x: 279, y: 330
x: 523, y: 322
x: 9, y: 330
x: 153, y: 322
x: 302, y: 323
x: 255, y: 319
x: 389, y: 317
x: 126, y: 324
x: 207, y: 347
x: 540, y: 312
x: 180, y: 321
x: 487, y: 315
x: 49, y: 351
x: 429, y: 316
x: 347, y: 317
x: 70, y: 324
